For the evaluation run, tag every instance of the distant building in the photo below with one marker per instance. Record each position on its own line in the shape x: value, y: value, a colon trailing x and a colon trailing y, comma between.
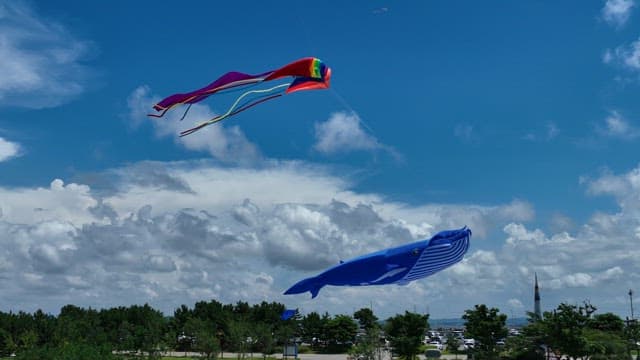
x: 536, y: 298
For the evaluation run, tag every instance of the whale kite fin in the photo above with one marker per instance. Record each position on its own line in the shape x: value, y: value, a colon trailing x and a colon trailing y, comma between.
x: 314, y: 291
x: 312, y: 285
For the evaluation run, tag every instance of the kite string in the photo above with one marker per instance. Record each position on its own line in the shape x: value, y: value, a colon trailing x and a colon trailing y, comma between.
x: 351, y: 110
x: 344, y: 103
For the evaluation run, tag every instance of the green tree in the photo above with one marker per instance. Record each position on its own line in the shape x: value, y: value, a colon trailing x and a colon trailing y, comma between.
x: 7, y: 345
x: 28, y: 340
x: 632, y: 334
x: 341, y: 333
x: 564, y: 329
x: 312, y: 328
x: 368, y: 345
x: 126, y: 340
x: 607, y: 322
x: 366, y: 318
x: 148, y: 326
x: 605, y: 336
x: 528, y: 345
x: 266, y: 313
x: 44, y: 325
x: 522, y: 348
x: 406, y: 332
x: 605, y: 344
x: 237, y: 336
x: 486, y: 326
x: 78, y: 325
x: 204, y: 337
x: 265, y: 340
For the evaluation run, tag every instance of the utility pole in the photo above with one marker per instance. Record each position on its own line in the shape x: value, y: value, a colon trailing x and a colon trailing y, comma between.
x: 631, y: 302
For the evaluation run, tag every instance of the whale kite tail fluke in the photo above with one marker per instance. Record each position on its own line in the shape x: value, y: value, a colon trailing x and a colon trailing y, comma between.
x: 311, y: 285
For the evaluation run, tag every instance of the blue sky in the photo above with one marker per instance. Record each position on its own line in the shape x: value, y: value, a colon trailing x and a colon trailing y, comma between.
x: 519, y: 119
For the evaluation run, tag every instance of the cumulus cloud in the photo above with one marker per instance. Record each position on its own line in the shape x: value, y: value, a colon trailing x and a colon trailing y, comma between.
x: 624, y: 187
x: 344, y: 132
x: 204, y: 231
x: 560, y: 223
x: 616, y: 12
x: 599, y: 254
x: 8, y: 149
x: 625, y: 56
x: 227, y: 144
x: 616, y: 126
x: 42, y: 62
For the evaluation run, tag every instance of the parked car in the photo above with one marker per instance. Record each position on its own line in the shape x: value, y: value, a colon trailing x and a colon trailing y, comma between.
x: 469, y: 343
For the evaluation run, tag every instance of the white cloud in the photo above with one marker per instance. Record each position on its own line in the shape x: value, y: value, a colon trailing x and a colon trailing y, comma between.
x: 561, y: 223
x: 185, y: 234
x: 8, y: 149
x: 515, y: 304
x: 626, y: 56
x: 597, y: 259
x: 228, y: 144
x: 343, y: 132
x: 42, y: 62
x: 616, y: 12
x: 174, y: 233
x: 625, y: 188
x: 616, y: 126
x: 70, y: 202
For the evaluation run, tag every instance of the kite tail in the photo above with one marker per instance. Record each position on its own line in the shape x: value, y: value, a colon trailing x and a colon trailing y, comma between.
x: 312, y: 285
x: 164, y: 111
x: 233, y: 110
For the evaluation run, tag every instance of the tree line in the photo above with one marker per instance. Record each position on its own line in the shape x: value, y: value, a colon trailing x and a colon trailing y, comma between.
x: 572, y: 330
x: 212, y: 328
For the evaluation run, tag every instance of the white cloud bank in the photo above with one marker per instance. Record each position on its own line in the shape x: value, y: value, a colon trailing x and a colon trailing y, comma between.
x: 41, y: 60
x: 173, y: 233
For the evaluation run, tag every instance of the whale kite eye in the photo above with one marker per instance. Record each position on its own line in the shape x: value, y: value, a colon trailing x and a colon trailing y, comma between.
x: 415, y: 252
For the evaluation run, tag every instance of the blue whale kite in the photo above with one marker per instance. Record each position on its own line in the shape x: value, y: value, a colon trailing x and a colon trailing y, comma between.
x: 398, y: 265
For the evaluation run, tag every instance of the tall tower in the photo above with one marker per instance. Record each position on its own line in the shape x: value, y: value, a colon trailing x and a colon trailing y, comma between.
x: 536, y: 299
